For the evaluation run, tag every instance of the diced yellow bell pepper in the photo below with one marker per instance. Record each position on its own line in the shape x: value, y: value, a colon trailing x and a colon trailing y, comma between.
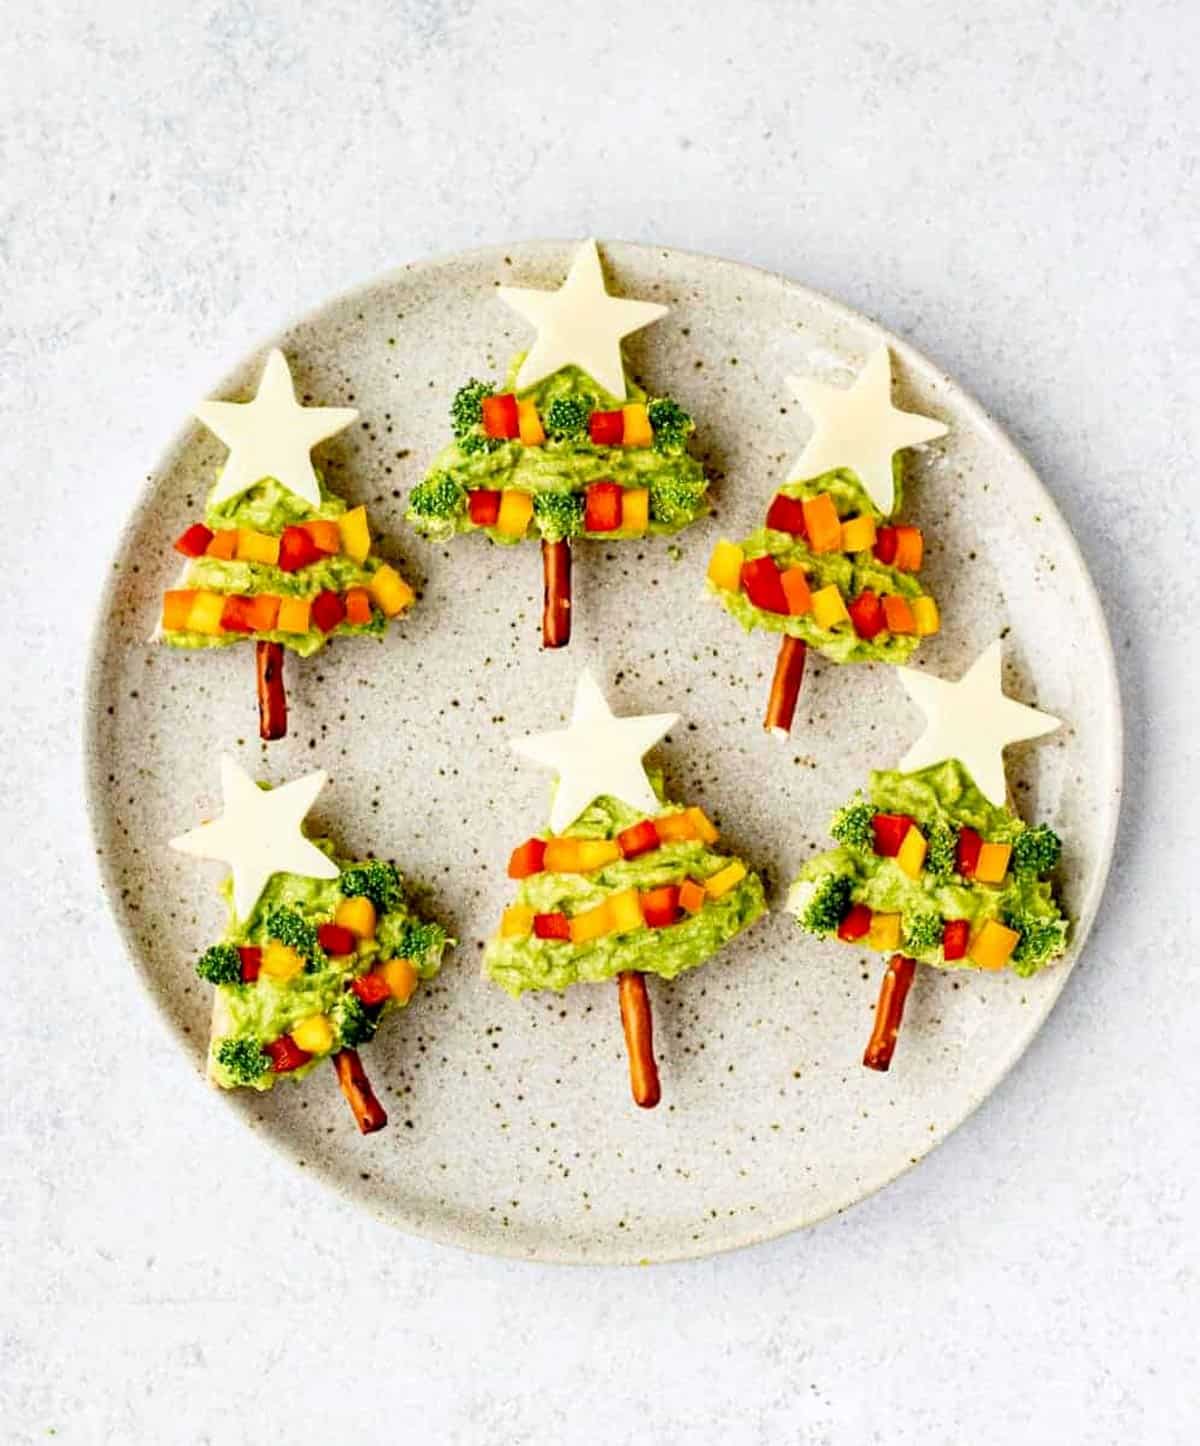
x: 293, y: 614
x: 529, y: 424
x: 638, y: 432
x: 256, y: 547
x: 858, y: 534
x: 591, y: 924
x: 357, y: 915
x: 729, y: 878
x: 626, y: 911
x: 315, y: 1034
x: 993, y: 863
x: 356, y: 536
x: 204, y: 616
x: 516, y: 922
x: 635, y: 509
x: 884, y: 933
x: 829, y: 607
x: 925, y: 616
x: 280, y: 962
x: 992, y: 947
x: 702, y: 826
x: 516, y: 508
x: 400, y: 976
x: 725, y: 566
x: 911, y: 855
x: 390, y: 591
x: 594, y: 853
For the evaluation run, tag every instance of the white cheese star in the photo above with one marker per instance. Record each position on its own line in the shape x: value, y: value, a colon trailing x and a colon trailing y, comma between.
x: 259, y: 834
x: 857, y: 427
x: 971, y: 720
x: 579, y: 323
x: 598, y: 754
x: 271, y: 436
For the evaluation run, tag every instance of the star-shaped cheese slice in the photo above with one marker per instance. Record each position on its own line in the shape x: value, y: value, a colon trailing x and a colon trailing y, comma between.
x: 857, y: 427
x: 260, y: 834
x: 971, y: 720
x: 272, y: 436
x: 598, y: 754
x: 579, y: 323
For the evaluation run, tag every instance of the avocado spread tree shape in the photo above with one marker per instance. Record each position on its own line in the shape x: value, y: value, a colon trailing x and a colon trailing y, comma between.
x: 278, y: 558
x: 317, y: 951
x: 570, y: 447
x: 829, y: 570
x: 623, y: 884
x: 933, y: 866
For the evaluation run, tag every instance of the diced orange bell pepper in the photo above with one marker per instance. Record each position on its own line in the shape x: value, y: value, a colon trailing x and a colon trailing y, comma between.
x: 358, y: 606
x: 325, y: 533
x: 898, y: 615
x: 591, y: 924
x: 255, y: 546
x: 529, y: 425
x: 223, y: 544
x: 635, y: 509
x: 561, y: 856
x: 293, y: 615
x: 822, y: 523
x: 527, y: 859
x: 637, y: 431
x: 910, y: 549
x: 725, y: 567
x: 926, y: 617
x: 992, y: 947
x: 993, y: 863
x: 702, y: 826
x: 516, y: 508
x: 692, y: 896
x: 858, y: 534
x: 796, y: 590
x: 675, y: 827
x: 400, y: 976
x: 177, y: 605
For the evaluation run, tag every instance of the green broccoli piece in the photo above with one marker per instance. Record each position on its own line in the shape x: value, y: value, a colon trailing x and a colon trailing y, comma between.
x: 851, y: 826
x: 475, y: 442
x: 242, y: 1058
x: 829, y: 905
x: 421, y: 941
x: 292, y: 929
x: 671, y: 425
x: 942, y: 851
x: 1036, y: 850
x: 559, y: 514
x: 1042, y: 939
x: 375, y: 880
x: 222, y: 964
x: 567, y: 417
x: 438, y: 496
x: 355, y: 1024
x: 675, y: 501
x: 922, y: 932
x: 466, y: 410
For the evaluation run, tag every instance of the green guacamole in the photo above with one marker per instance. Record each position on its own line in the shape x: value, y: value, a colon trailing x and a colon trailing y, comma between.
x: 940, y: 800
x: 519, y: 964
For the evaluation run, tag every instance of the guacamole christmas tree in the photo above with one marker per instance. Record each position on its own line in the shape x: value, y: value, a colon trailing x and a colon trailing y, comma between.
x: 318, y: 949
x: 829, y: 570
x: 622, y: 884
x: 569, y: 447
x: 278, y: 559
x: 932, y: 866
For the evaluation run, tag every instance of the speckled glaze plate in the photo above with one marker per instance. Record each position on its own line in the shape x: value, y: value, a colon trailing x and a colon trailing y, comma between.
x: 512, y: 1128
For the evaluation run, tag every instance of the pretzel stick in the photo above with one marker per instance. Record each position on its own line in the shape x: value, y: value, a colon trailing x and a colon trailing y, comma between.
x: 272, y: 700
x: 368, y: 1112
x: 785, y: 686
x: 556, y: 611
x: 889, y: 1011
x: 639, y: 1039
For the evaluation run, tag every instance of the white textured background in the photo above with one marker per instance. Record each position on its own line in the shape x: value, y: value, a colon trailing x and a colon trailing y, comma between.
x: 1010, y: 185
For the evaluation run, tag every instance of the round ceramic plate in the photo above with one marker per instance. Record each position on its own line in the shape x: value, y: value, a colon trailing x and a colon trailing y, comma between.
x: 512, y: 1130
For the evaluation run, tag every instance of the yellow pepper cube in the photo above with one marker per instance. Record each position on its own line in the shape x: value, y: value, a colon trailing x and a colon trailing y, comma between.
x: 626, y: 911
x: 858, y: 534
x: 725, y: 566
x: 992, y: 947
x: 400, y: 976
x: 594, y: 853
x: 925, y: 616
x: 390, y: 591
x: 293, y: 615
x: 884, y: 933
x: 911, y: 855
x: 529, y: 425
x: 635, y: 509
x: 356, y: 536
x: 280, y: 962
x: 993, y: 863
x: 638, y: 432
x: 256, y: 547
x: 729, y: 878
x: 357, y: 915
x: 315, y: 1034
x: 204, y: 616
x: 702, y: 826
x: 516, y: 922
x: 516, y: 508
x: 829, y: 607
x: 591, y: 924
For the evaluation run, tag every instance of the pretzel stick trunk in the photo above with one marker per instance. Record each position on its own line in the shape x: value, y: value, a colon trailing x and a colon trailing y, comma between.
x: 785, y: 686
x: 272, y: 699
x: 889, y: 1011
x: 639, y: 1039
x: 369, y: 1114
x: 556, y: 611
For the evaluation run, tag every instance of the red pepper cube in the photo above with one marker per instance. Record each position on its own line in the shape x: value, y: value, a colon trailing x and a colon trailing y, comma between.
x: 527, y: 858
x: 640, y: 838
x: 866, y: 613
x: 660, y: 907
x: 500, y: 416
x: 885, y: 545
x: 193, y: 542
x: 251, y: 962
x: 889, y: 830
x: 296, y: 549
x: 602, y: 507
x: 856, y: 924
x: 786, y: 514
x: 483, y: 507
x: 236, y: 615
x: 335, y: 940
x: 371, y: 988
x: 286, y: 1054
x: 760, y: 579
x: 327, y: 611
x: 551, y: 926
x: 955, y: 933
x: 966, y: 855
x: 607, y: 429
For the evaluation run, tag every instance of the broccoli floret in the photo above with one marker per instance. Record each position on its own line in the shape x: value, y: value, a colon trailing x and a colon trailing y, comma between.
x: 475, y: 442
x: 922, y: 932
x: 828, y: 905
x: 1036, y: 850
x: 851, y: 826
x: 438, y: 496
x: 1041, y: 940
x: 674, y: 501
x: 942, y: 850
x: 559, y: 514
x: 420, y: 940
x: 222, y: 964
x: 466, y: 410
x: 375, y: 880
x: 243, y: 1059
x: 292, y: 929
x: 568, y: 417
x: 671, y: 425
x: 354, y: 1022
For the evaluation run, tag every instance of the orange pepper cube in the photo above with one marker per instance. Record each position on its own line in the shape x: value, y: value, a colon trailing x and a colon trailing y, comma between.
x: 993, y: 863
x: 223, y: 544
x: 675, y: 827
x: 262, y: 612
x: 257, y: 547
x: 358, y: 606
x: 529, y: 425
x: 591, y: 924
x: 177, y: 607
x: 898, y: 615
x: 637, y: 431
x: 293, y: 615
x: 858, y: 534
x: 692, y: 896
x: 992, y: 947
x: 516, y: 508
x: 725, y: 567
x: 561, y: 856
x: 325, y: 533
x: 910, y: 549
x: 702, y: 826
x: 822, y: 523
x: 795, y: 588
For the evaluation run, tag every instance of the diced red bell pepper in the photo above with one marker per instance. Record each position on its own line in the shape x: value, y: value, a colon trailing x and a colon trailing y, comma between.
x: 639, y: 838
x: 855, y: 925
x: 500, y: 416
x: 286, y: 1054
x: 251, y: 962
x: 335, y: 940
x: 760, y: 578
x: 327, y: 611
x: 786, y: 514
x: 966, y: 855
x: 607, y: 429
x: 297, y: 549
x: 660, y: 907
x: 885, y: 544
x: 236, y: 614
x: 889, y: 829
x: 602, y: 507
x: 551, y: 926
x: 371, y: 988
x: 527, y: 858
x: 955, y: 933
x: 866, y: 613
x: 193, y: 542
x: 483, y: 507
